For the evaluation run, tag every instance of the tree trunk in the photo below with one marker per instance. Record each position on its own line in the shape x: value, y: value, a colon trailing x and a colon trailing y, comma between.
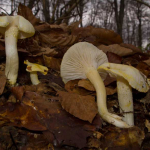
x: 139, y: 16
x: 119, y: 15
x: 46, y: 11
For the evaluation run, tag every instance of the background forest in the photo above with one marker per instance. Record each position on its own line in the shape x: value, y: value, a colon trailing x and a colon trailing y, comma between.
x: 42, y: 115
x: 129, y: 18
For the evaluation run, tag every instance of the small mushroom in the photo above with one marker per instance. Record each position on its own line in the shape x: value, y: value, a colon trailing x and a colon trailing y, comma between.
x: 14, y: 28
x: 128, y: 77
x: 81, y: 62
x: 33, y: 68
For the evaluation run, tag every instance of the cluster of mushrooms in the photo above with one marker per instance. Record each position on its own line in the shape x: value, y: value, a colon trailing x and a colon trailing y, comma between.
x: 85, y: 61
x: 81, y: 61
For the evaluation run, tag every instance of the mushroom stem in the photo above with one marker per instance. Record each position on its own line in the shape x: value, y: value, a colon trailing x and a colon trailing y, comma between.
x: 96, y: 80
x: 34, y: 78
x: 125, y: 100
x: 12, y: 60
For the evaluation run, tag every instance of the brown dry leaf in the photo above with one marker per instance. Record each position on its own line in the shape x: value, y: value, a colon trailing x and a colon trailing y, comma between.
x: 64, y: 126
x: 41, y: 88
x: 106, y: 36
x: 140, y: 56
x: 130, y: 46
x: 47, y: 51
x: 3, y: 80
x: 18, y: 92
x: 97, y: 35
x: 52, y: 62
x: 144, y: 68
x: 147, y: 124
x: 147, y: 61
x: 119, y: 139
x: 63, y: 40
x: 83, y: 107
x: 21, y: 115
x: 38, y: 50
x: 24, y: 139
x: 130, y: 61
x: 113, y: 58
x: 110, y: 90
x: 69, y: 86
x: 92, y: 142
x: 72, y: 87
x: 74, y: 25
x: 86, y: 84
x: 27, y: 13
x: 109, y: 80
x: 62, y: 26
x: 43, y: 27
x: 117, y: 49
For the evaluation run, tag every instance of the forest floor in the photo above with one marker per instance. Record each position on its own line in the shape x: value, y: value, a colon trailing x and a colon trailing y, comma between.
x: 54, y: 115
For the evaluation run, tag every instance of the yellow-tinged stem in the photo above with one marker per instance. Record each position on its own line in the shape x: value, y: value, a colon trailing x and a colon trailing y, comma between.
x: 98, y: 83
x: 93, y: 75
x: 125, y: 100
x: 34, y: 78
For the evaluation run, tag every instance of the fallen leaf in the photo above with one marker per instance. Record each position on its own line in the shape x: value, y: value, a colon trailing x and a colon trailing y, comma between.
x: 86, y: 84
x: 36, y: 50
x: 51, y: 62
x: 2, y: 81
x: 106, y: 36
x: 18, y: 92
x: 113, y: 58
x: 130, y: 46
x: 119, y: 139
x: 110, y: 90
x: 83, y: 107
x: 74, y: 25
x: 69, y: 86
x: 72, y: 87
x: 109, y: 80
x: 147, y: 61
x: 147, y: 124
x: 130, y: 61
x: 44, y: 27
x: 144, y: 68
x: 61, y: 123
x: 117, y: 49
x: 24, y: 139
x: 63, y: 40
x: 92, y: 142
x: 21, y: 115
x: 100, y: 35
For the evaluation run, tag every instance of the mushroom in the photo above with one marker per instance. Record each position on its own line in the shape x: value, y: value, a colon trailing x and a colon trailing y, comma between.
x: 81, y: 62
x: 33, y: 68
x: 14, y: 28
x: 128, y: 77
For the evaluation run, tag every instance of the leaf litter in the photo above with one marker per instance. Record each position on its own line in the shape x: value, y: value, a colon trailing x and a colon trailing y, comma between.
x: 54, y: 115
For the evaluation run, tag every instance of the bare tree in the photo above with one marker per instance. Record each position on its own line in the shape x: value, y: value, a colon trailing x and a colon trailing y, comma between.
x: 119, y: 15
x: 142, y: 2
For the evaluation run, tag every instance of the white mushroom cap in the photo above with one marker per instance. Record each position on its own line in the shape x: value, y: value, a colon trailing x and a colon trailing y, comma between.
x: 24, y: 26
x: 135, y: 78
x: 79, y: 59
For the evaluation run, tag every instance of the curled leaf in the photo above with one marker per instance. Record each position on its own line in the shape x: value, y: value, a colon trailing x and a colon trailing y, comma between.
x: 117, y: 49
x: 83, y: 107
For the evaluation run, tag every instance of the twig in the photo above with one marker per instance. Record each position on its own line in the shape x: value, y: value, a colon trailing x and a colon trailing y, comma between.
x: 144, y: 3
x: 13, y: 140
x: 4, y: 10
